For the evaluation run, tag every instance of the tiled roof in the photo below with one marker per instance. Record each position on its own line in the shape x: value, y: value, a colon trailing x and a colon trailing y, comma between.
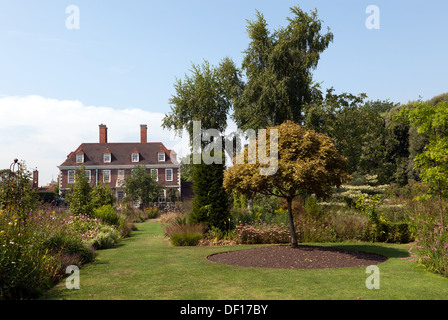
x: 120, y: 154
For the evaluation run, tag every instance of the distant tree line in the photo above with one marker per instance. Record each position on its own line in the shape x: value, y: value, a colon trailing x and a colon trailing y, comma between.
x: 274, y: 85
x: 370, y: 135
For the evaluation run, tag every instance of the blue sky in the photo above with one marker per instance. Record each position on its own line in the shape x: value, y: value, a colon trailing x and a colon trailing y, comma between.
x: 126, y: 55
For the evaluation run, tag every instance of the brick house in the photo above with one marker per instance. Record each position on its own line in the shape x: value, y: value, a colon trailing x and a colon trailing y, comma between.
x: 111, y: 163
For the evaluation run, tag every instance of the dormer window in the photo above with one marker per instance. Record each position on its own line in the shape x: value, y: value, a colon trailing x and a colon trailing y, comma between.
x: 107, y: 157
x: 80, y: 158
x: 161, y: 156
x: 135, y: 157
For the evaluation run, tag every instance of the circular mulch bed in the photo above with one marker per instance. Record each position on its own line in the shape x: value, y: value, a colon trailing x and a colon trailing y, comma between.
x: 302, y: 257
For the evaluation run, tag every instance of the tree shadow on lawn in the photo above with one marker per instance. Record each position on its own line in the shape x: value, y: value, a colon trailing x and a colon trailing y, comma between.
x: 384, y: 249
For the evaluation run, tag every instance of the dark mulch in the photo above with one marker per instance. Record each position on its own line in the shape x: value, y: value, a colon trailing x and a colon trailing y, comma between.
x: 303, y: 257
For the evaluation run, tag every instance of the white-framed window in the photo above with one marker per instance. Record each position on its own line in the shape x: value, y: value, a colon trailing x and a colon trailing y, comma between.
x: 88, y: 174
x: 168, y: 174
x: 155, y: 174
x: 135, y: 157
x: 161, y: 156
x: 71, y: 176
x: 107, y: 157
x: 80, y: 158
x: 106, y: 176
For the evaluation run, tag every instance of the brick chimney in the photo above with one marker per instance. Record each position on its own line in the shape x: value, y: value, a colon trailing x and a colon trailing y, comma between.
x: 35, y: 179
x: 103, y: 133
x: 143, y: 133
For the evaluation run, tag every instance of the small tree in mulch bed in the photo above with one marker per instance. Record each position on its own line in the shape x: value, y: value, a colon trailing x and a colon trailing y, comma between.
x: 308, y: 163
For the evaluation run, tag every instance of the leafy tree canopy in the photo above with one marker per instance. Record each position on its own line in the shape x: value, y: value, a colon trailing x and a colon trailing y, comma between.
x: 278, y: 70
x: 308, y: 163
x: 141, y: 186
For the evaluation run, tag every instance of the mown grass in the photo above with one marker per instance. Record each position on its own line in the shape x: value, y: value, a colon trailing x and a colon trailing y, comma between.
x: 145, y: 266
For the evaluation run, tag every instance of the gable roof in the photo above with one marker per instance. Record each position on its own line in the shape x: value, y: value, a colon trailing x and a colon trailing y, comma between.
x: 121, y: 154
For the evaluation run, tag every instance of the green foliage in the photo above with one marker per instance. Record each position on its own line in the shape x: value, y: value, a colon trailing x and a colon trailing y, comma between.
x: 36, y: 244
x: 33, y: 255
x: 102, y: 195
x: 142, y: 186
x: 397, y: 232
x: 46, y: 196
x: 186, y: 239
x: 431, y: 247
x: 152, y: 212
x: 186, y: 170
x: 278, y: 69
x: 379, y: 228
x: 71, y: 244
x: 239, y: 201
x: 79, y: 198
x: 203, y: 96
x: 107, y: 214
x: 367, y: 205
x: 211, y: 202
x: 265, y: 211
x: 26, y: 267
x: 184, y: 235
x: 107, y: 238
x: 432, y: 121
x: 362, y: 132
x: 308, y: 163
x: 311, y: 207
x: 83, y: 199
x: 17, y: 198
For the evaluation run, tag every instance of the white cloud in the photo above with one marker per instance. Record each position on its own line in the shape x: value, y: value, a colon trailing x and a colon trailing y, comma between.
x: 43, y: 131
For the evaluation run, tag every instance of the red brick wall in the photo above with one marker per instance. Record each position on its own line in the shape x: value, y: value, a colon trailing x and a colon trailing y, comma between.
x: 114, y: 176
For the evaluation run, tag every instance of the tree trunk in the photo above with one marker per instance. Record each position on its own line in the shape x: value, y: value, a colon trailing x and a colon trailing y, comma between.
x: 292, y: 229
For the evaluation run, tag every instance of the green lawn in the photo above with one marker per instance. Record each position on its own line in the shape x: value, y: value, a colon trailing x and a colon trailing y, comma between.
x: 146, y: 266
